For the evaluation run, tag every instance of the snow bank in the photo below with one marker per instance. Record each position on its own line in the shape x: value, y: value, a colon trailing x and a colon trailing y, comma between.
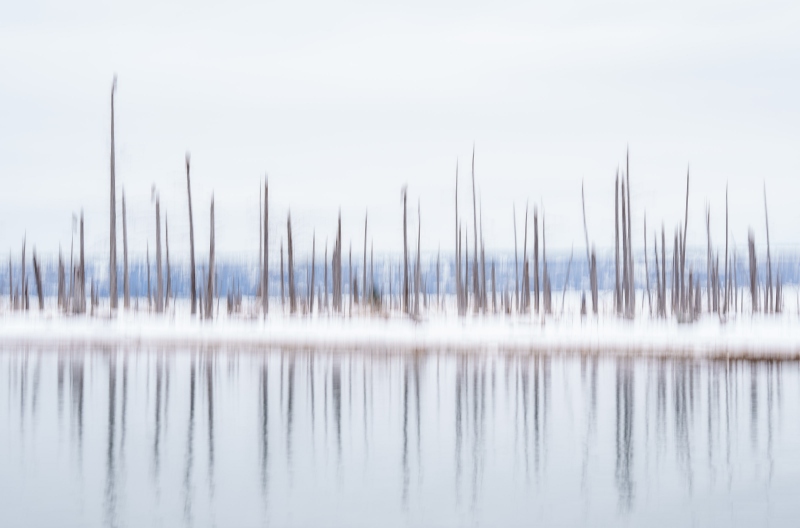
x: 745, y: 336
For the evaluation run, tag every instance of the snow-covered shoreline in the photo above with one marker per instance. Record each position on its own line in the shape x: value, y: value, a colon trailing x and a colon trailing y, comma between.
x: 763, y: 337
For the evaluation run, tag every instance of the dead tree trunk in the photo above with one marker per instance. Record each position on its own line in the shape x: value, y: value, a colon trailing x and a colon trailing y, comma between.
x: 290, y: 254
x: 169, y: 273
x: 727, y: 276
x: 82, y: 272
x: 112, y: 262
x: 211, y: 269
x: 364, y: 282
x: 536, y: 259
x: 62, y: 289
x: 159, y: 269
x: 265, y: 255
x: 405, y: 253
x: 625, y: 292
x: 516, y: 261
x: 24, y: 283
x: 646, y: 271
x: 751, y: 248
x: 283, y: 294
x: 192, y: 271
x: 149, y: 301
x: 768, y: 305
x: 37, y: 275
x: 631, y: 285
x: 126, y: 283
x: 617, y: 293
x: 475, y: 285
x: 313, y: 271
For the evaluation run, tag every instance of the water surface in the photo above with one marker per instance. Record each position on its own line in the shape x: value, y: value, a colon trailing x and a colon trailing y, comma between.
x: 108, y: 437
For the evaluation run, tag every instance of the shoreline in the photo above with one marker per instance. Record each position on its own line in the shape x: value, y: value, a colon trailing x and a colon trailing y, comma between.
x: 762, y: 338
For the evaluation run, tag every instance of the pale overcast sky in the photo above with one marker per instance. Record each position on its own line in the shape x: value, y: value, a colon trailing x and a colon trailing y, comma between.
x: 343, y: 103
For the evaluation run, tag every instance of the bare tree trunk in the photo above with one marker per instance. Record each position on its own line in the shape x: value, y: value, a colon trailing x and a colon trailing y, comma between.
x: 82, y: 272
x: 325, y: 263
x: 631, y: 285
x: 211, y: 269
x: 149, y: 302
x: 37, y: 275
x: 475, y: 285
x: 525, y: 289
x: 751, y: 247
x: 663, y: 272
x: 768, y: 304
x: 625, y: 291
x: 112, y: 262
x: 10, y: 285
x: 458, y: 252
x: 494, y: 291
x: 265, y: 256
x: 646, y: 271
x: 159, y: 269
x: 727, y: 276
x: 617, y: 293
x: 169, y: 273
x: 364, y: 282
x: 708, y: 257
x: 685, y: 227
x: 283, y: 295
x: 658, y: 276
x: 126, y: 282
x: 566, y: 282
x: 290, y: 254
x: 405, y: 253
x: 536, y: 258
x: 62, y: 291
x: 24, y: 283
x: 313, y: 270
x: 193, y: 275
x: 418, y: 281
x: 516, y: 260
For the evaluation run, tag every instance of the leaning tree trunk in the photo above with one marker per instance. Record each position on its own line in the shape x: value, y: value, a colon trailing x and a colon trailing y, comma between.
x: 112, y: 262
x: 192, y: 272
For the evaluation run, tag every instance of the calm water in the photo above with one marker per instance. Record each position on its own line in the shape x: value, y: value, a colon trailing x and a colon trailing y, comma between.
x: 226, y: 438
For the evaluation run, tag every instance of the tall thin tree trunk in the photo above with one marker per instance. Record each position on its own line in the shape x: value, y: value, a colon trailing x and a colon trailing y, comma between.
x: 405, y: 253
x: 82, y: 272
x: 37, y: 275
x: 112, y: 262
x: 192, y: 271
x: 536, y: 258
x: 364, y: 282
x: 169, y: 273
x: 290, y: 254
x: 313, y: 270
x: 211, y: 269
x: 126, y: 282
x: 617, y: 293
x: 516, y: 260
x: 159, y: 270
x: 475, y: 285
x: 265, y: 256
x: 283, y: 294
x: 768, y: 306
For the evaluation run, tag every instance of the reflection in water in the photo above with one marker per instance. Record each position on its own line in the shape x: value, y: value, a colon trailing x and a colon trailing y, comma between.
x: 522, y: 437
